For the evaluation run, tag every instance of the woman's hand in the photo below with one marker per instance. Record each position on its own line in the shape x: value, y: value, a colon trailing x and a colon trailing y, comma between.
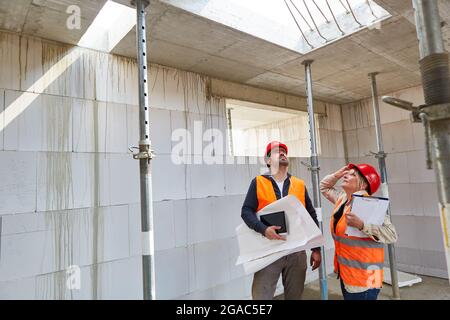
x: 341, y: 172
x: 354, y: 221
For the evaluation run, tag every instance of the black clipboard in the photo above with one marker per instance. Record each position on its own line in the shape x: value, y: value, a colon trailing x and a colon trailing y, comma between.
x: 275, y: 219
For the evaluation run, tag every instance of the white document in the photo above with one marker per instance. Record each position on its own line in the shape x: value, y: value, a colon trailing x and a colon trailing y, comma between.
x: 371, y: 210
x: 256, y: 251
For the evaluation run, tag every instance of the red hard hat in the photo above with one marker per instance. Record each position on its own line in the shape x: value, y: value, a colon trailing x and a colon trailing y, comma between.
x: 275, y: 144
x: 371, y: 175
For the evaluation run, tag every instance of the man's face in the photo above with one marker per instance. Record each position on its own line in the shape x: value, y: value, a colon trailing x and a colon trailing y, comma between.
x: 278, y: 157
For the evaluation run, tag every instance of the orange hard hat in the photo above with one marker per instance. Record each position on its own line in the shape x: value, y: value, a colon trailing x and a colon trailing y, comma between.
x: 275, y: 144
x: 371, y: 175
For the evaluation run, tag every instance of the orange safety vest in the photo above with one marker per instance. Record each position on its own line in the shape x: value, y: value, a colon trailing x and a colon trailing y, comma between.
x: 266, y: 194
x: 358, y: 261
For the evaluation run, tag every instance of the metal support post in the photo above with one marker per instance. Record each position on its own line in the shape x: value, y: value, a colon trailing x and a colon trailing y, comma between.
x: 314, y: 167
x: 144, y: 155
x: 381, y: 156
x: 436, y: 113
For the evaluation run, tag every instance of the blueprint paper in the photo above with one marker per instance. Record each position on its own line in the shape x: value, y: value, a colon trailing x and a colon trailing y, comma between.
x: 256, y: 251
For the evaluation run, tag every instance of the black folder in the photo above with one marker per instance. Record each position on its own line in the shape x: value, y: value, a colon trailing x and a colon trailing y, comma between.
x: 275, y: 219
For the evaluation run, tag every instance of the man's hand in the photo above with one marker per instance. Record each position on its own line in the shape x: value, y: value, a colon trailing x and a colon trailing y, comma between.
x: 316, y: 259
x: 271, y: 233
x: 354, y: 221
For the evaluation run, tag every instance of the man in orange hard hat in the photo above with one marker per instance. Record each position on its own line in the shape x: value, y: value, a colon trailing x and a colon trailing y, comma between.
x: 265, y: 189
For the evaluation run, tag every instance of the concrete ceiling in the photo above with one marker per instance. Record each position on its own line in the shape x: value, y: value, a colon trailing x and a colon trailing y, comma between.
x: 184, y: 40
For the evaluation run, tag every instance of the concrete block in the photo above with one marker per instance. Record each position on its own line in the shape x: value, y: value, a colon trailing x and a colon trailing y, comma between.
x: 407, y: 231
x: 124, y: 179
x: 430, y: 234
x: 398, y: 136
x: 86, y: 126
x: 167, y: 89
x: 25, y: 255
x: 351, y: 143
x: 20, y: 289
x: 233, y: 252
x: 63, y: 70
x: 200, y: 217
x: 211, y: 264
x: 118, y: 76
x: 227, y: 212
x: 160, y: 130
x: 172, y: 273
x: 132, y: 125
x: 397, y: 165
x: 18, y: 183
x: 180, y: 216
x: 237, y: 178
x: 233, y: 290
x: 348, y: 117
x: 31, y: 64
x: 37, y: 122
x: 417, y: 169
x: 114, y: 135
x: 425, y: 199
x: 134, y: 229
x: 192, y: 269
x: 401, y: 199
x: 434, y: 259
x: 112, y: 127
x: 22, y: 223
x: 163, y: 219
x: 164, y: 169
x: 53, y: 286
x: 113, y: 231
x: 54, y: 181
x: 120, y: 279
x: 366, y: 141
x: 10, y: 61
x: 86, y: 188
x: 205, y: 180
x: 332, y: 119
x: 22, y: 131
x: 407, y: 256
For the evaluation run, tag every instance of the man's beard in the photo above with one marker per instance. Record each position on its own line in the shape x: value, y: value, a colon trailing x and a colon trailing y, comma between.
x: 283, y: 163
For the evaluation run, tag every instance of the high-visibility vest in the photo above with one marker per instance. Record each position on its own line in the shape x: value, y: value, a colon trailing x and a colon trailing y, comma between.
x: 358, y: 261
x: 266, y: 194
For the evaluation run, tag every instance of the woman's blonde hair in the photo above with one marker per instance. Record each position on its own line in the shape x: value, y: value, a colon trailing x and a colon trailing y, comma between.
x: 362, y: 182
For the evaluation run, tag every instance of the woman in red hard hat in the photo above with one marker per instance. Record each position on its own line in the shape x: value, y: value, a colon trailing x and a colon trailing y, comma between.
x: 357, y: 261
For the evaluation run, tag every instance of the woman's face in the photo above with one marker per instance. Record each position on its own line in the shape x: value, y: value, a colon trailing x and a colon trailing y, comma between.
x: 351, y: 181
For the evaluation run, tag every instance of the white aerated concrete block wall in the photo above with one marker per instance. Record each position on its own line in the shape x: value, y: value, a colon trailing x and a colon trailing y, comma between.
x: 412, y: 188
x: 69, y: 189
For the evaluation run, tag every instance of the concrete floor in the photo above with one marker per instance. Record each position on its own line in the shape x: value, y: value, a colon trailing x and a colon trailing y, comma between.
x: 429, y: 289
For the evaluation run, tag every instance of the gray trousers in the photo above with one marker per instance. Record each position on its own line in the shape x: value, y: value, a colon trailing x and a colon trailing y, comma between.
x: 293, y: 271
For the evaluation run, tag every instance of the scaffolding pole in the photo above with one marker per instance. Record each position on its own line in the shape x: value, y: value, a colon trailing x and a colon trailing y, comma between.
x: 381, y: 156
x: 314, y: 167
x: 144, y: 155
x: 436, y: 111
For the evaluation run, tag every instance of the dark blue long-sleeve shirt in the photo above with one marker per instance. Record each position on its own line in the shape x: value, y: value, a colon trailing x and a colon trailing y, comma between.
x: 250, y: 206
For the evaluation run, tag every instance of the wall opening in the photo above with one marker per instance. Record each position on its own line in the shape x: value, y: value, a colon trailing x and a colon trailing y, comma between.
x: 251, y: 126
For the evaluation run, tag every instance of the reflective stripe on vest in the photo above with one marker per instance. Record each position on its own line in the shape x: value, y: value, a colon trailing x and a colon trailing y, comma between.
x: 359, y: 261
x: 358, y: 243
x: 266, y: 193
